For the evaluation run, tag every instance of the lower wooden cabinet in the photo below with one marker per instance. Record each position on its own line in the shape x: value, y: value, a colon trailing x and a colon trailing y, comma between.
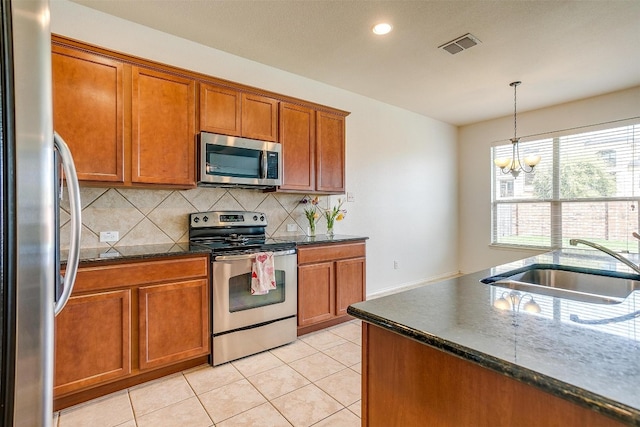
x: 316, y: 293
x: 129, y: 322
x: 330, y: 278
x: 93, y: 340
x: 173, y: 322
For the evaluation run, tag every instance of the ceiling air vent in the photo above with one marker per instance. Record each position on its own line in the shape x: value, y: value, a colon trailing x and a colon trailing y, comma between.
x: 460, y: 44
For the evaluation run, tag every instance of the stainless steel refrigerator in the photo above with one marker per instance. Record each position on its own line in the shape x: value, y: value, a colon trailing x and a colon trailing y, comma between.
x: 32, y: 290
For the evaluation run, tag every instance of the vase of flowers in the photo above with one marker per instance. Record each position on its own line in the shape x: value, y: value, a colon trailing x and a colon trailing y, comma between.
x: 311, y: 212
x: 334, y: 214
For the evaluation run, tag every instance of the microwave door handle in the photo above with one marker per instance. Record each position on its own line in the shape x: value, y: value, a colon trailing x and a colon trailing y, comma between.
x: 263, y: 158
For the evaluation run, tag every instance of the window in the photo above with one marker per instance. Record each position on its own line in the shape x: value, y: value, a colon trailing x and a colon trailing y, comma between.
x: 586, y: 186
x: 608, y: 157
x: 506, y: 188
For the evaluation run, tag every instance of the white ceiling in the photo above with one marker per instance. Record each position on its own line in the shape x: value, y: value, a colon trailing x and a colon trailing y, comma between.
x: 560, y: 50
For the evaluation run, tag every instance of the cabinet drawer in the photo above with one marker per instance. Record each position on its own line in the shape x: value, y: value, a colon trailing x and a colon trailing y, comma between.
x: 133, y: 274
x: 331, y: 252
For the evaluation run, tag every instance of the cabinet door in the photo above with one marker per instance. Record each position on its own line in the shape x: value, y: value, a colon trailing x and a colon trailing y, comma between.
x: 92, y: 340
x: 297, y: 136
x: 88, y: 102
x: 173, y: 322
x: 220, y: 110
x: 350, y: 283
x: 316, y: 293
x: 330, y: 153
x: 259, y: 117
x: 163, y: 128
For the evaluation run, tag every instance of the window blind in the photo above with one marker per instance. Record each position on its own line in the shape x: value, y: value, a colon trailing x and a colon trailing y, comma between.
x: 586, y: 186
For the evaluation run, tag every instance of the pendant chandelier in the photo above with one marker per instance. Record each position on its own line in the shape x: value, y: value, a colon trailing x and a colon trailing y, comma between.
x: 512, y: 164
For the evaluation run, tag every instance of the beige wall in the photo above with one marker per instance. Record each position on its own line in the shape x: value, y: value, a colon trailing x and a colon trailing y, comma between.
x: 474, y: 186
x: 401, y: 166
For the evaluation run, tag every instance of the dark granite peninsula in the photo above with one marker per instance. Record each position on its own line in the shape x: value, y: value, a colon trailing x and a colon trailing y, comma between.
x: 444, y: 355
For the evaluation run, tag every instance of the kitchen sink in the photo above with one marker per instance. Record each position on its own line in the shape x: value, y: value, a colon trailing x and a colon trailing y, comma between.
x: 579, y: 284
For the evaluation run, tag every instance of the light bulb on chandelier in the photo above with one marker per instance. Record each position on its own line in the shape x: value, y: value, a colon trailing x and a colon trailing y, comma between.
x: 512, y: 164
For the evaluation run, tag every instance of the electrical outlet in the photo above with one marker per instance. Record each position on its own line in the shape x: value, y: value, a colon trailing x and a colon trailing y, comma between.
x: 109, y: 236
x: 292, y: 227
x: 396, y: 265
x: 351, y: 197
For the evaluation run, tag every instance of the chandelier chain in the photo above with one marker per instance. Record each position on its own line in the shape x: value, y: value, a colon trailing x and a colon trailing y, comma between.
x: 515, y: 116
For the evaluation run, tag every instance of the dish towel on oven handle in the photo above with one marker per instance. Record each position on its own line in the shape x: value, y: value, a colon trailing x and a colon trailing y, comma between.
x: 263, y: 277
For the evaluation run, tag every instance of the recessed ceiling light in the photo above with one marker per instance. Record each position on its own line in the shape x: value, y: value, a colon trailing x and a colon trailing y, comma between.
x: 382, y: 28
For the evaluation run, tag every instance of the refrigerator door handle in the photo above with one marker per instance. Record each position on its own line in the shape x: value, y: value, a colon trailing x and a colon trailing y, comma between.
x: 76, y: 221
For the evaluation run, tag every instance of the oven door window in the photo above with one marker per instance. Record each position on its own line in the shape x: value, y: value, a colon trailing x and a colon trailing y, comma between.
x: 240, y: 297
x: 233, y: 161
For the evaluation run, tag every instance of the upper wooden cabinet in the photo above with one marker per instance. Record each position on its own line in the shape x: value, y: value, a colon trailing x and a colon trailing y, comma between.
x: 133, y: 122
x: 298, y: 139
x: 232, y: 112
x: 88, y: 112
x: 330, y: 153
x: 220, y: 110
x: 125, y: 124
x: 163, y: 128
x: 259, y: 117
x: 313, y: 150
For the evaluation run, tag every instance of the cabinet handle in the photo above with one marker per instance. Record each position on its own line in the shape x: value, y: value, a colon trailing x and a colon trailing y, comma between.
x: 76, y: 221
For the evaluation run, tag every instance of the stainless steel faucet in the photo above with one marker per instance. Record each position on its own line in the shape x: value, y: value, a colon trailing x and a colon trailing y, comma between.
x: 634, y: 267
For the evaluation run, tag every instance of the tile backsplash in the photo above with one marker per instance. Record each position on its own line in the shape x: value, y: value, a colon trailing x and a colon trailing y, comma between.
x: 146, y: 217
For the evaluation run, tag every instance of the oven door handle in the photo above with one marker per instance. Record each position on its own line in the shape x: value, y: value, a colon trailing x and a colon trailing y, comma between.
x: 251, y: 256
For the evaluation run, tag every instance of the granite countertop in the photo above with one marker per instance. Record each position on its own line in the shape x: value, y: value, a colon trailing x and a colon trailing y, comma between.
x: 302, y: 240
x: 135, y: 252
x: 594, y: 365
x: 173, y: 249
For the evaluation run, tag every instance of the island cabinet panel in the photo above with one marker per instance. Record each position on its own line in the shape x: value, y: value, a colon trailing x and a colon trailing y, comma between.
x: 173, y: 322
x: 93, y: 340
x: 232, y: 112
x: 88, y: 112
x: 330, y: 157
x: 163, y: 128
x: 298, y: 136
x: 131, y: 321
x: 316, y: 293
x: 330, y: 278
x: 406, y: 383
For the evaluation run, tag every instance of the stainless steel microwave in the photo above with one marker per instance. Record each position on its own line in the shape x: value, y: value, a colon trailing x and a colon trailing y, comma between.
x: 230, y: 161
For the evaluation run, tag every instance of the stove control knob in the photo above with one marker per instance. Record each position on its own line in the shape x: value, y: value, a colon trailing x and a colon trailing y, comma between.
x: 205, y: 219
x: 255, y: 217
x: 261, y: 217
x: 196, y: 220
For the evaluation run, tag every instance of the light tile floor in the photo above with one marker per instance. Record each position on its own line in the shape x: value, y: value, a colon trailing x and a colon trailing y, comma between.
x: 314, y: 381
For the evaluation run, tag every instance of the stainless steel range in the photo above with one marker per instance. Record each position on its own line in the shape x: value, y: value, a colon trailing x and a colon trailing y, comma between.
x: 244, y: 323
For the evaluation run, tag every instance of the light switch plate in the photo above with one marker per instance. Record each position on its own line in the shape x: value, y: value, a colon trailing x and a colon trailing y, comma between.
x: 109, y: 236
